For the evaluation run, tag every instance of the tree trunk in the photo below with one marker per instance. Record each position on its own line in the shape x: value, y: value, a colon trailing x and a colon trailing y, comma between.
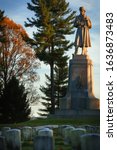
x: 52, y: 87
x: 58, y: 99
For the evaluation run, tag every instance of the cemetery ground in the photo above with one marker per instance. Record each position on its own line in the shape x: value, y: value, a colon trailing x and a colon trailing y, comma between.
x: 59, y: 140
x: 59, y: 143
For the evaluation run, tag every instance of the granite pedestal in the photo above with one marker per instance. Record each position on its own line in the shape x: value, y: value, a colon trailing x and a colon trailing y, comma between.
x: 80, y: 98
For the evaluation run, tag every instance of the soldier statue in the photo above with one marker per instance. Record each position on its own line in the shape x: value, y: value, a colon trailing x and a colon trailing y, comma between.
x: 82, y: 39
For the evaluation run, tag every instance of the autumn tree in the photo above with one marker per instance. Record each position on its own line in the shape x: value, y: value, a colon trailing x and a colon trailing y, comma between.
x: 16, y: 58
x: 53, y: 20
x: 14, y: 105
x: 1, y: 27
x: 2, y: 39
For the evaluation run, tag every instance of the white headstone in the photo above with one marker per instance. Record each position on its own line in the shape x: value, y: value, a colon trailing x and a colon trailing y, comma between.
x: 13, y: 139
x: 90, y: 142
x: 45, y: 132
x: 75, y: 137
x: 26, y: 133
x: 35, y: 130
x: 66, y: 134
x: 44, y: 140
x: 61, y: 128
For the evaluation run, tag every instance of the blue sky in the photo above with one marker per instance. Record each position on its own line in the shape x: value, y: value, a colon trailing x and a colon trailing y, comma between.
x: 17, y: 11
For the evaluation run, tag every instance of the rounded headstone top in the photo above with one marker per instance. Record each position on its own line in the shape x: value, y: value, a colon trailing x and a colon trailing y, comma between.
x: 92, y: 135
x: 80, y: 129
x: 13, y: 130
x: 69, y: 127
x: 67, y: 130
x: 26, y: 127
x: 78, y: 132
x: 45, y: 132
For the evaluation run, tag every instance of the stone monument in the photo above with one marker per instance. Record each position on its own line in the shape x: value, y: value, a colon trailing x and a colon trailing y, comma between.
x: 80, y: 99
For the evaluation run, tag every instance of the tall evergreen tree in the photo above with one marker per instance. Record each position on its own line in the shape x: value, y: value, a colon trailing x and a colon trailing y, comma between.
x: 14, y: 106
x: 54, y: 20
x: 46, y: 98
x: 60, y: 84
x: 61, y: 78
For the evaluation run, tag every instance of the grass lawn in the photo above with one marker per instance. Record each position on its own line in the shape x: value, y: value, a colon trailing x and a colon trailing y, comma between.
x: 55, y: 121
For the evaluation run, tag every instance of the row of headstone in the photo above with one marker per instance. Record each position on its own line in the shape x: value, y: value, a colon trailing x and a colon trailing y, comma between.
x: 88, y: 128
x: 29, y: 133
x: 11, y: 138
x: 80, y: 138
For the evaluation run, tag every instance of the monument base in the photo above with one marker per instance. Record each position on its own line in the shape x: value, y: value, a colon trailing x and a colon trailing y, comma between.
x: 79, y: 103
x: 71, y: 113
x: 80, y: 94
x: 79, y: 100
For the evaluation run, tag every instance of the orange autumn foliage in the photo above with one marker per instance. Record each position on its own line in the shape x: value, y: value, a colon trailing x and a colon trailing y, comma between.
x: 16, y: 57
x: 11, y: 25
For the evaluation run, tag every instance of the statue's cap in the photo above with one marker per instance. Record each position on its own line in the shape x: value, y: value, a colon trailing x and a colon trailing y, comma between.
x: 82, y: 9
